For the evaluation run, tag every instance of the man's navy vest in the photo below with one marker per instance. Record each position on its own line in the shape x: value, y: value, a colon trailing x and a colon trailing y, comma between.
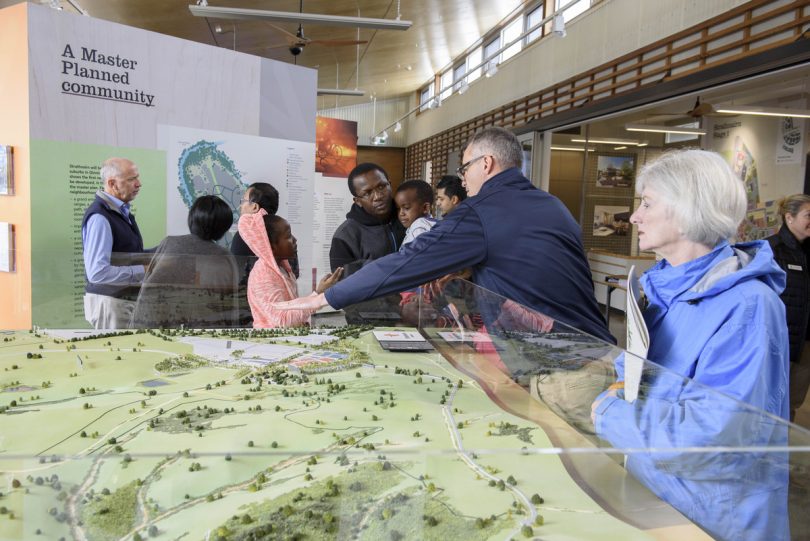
x: 126, y: 240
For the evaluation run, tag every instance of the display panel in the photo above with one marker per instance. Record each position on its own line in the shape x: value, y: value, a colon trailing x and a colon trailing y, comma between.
x: 321, y: 433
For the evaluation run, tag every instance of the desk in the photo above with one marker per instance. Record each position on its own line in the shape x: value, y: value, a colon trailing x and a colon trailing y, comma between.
x: 612, y: 282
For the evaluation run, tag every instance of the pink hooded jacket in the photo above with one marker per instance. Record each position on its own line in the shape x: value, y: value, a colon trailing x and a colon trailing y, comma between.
x: 268, y: 282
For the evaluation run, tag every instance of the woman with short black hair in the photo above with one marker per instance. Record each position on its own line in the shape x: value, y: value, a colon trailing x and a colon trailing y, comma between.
x: 192, y: 281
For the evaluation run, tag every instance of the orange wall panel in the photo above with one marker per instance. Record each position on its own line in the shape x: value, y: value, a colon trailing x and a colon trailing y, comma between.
x: 15, y: 287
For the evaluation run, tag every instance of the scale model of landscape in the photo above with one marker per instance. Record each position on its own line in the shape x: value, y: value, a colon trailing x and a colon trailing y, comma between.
x: 296, y: 434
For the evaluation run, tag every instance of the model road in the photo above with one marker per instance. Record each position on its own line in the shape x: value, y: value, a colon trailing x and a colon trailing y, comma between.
x: 455, y: 436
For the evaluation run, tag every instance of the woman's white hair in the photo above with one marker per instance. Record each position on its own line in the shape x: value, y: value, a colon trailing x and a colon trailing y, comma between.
x: 706, y: 200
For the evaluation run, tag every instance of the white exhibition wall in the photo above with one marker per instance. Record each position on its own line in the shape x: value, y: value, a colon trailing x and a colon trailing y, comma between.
x: 99, y: 89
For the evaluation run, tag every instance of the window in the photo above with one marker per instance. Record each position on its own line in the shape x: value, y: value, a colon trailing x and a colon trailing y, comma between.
x: 458, y: 76
x: 473, y: 59
x: 509, y: 34
x: 425, y: 97
x: 534, y: 17
x: 574, y: 10
x: 446, y: 84
x: 489, y: 50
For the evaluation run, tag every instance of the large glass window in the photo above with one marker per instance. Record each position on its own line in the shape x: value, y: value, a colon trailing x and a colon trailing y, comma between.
x: 511, y: 33
x: 446, y: 84
x: 458, y: 76
x: 473, y: 59
x: 534, y: 17
x: 574, y: 10
x: 489, y: 50
x: 425, y: 97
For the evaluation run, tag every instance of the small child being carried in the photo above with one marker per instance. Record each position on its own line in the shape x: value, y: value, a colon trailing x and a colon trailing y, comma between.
x: 414, y: 198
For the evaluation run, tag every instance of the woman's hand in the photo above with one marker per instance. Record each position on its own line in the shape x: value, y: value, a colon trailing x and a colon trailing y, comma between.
x: 310, y: 302
x: 329, y: 280
x: 612, y: 392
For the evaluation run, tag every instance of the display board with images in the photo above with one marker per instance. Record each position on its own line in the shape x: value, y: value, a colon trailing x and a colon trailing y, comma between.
x: 610, y: 179
x: 6, y: 247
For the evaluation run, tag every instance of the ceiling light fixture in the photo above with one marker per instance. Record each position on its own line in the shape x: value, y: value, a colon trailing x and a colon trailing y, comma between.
x: 340, y: 92
x: 622, y: 147
x: 218, y: 12
x: 763, y: 111
x: 558, y: 26
x: 491, y: 69
x: 632, y: 142
x: 663, y: 129
x: 572, y: 149
x: 398, y: 127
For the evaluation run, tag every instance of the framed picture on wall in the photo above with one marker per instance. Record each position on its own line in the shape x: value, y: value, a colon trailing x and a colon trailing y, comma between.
x: 615, y: 171
x: 6, y: 170
x: 610, y: 220
x: 6, y: 247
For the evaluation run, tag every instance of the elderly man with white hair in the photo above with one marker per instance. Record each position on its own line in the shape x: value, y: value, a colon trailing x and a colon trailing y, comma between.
x: 110, y: 236
x: 716, y: 323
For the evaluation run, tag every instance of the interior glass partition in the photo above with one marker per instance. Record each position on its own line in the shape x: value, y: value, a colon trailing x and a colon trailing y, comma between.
x: 483, y: 430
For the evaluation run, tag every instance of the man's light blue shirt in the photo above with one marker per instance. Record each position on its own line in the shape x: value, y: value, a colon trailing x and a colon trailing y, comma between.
x: 97, y: 240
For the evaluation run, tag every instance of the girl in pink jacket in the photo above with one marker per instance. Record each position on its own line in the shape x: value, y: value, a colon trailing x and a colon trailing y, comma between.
x: 272, y: 279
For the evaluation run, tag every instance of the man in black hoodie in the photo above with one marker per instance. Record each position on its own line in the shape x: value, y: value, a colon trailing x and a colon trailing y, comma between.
x: 371, y: 229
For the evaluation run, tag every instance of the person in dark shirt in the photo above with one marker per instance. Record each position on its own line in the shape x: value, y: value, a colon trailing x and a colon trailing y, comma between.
x: 371, y: 229
x: 790, y: 252
x: 449, y: 193
x: 192, y: 281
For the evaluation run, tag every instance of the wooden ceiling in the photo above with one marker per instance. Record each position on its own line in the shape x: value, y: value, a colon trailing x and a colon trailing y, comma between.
x: 392, y: 63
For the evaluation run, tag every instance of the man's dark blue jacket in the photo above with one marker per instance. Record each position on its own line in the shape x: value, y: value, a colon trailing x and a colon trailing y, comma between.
x: 520, y: 242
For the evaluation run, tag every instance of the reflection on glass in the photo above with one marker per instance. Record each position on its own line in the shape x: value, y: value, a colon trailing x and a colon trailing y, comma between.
x: 319, y: 432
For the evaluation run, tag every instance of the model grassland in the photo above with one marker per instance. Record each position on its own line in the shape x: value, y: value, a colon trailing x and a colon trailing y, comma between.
x: 214, y: 435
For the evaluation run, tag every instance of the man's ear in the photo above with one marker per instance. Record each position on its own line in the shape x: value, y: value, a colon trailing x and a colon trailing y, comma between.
x: 455, y: 200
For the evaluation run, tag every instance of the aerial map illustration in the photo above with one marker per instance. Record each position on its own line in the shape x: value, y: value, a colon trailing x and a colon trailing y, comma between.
x: 274, y: 434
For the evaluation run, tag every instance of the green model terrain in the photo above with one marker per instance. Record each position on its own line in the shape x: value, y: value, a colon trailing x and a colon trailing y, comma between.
x: 163, y: 435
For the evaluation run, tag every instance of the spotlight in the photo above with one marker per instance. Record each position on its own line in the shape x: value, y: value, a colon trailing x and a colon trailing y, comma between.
x: 558, y: 26
x: 398, y: 127
x: 463, y: 87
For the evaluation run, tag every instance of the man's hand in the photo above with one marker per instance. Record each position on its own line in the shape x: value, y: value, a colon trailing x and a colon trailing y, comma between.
x: 329, y: 280
x: 310, y: 302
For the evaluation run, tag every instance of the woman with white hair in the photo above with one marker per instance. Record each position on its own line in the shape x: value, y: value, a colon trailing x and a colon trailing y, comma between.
x: 715, y: 320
